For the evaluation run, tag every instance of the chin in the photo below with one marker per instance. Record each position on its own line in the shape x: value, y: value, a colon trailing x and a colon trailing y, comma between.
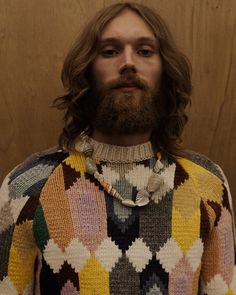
x: 129, y: 97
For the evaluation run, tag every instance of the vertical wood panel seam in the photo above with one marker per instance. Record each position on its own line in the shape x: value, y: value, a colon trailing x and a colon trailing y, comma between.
x: 225, y: 91
x: 12, y: 125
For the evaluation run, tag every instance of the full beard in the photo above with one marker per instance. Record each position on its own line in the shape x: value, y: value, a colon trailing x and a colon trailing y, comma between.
x: 123, y: 113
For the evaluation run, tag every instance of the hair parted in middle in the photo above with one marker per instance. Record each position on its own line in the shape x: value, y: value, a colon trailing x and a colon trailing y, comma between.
x: 76, y: 77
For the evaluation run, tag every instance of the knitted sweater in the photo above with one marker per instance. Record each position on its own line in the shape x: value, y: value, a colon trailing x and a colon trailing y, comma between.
x: 61, y: 233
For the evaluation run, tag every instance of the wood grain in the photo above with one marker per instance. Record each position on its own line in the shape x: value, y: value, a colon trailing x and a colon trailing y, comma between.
x: 35, y: 36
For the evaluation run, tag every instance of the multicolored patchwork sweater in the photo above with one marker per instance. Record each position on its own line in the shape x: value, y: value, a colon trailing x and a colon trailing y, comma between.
x: 60, y: 233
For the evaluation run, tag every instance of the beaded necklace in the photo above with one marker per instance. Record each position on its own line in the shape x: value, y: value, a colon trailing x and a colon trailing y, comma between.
x: 143, y: 197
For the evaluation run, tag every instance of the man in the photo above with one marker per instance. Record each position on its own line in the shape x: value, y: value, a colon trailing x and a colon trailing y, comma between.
x: 120, y: 208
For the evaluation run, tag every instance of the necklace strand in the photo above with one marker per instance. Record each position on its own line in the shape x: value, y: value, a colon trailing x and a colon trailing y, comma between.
x: 143, y: 197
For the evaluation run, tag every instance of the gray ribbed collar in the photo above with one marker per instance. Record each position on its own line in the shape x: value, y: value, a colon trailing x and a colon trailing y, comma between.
x: 125, y: 154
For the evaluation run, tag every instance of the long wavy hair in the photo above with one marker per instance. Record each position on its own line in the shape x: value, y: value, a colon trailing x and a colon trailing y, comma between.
x: 176, y: 80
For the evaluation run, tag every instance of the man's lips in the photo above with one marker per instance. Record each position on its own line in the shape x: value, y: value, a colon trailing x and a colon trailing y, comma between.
x: 128, y: 88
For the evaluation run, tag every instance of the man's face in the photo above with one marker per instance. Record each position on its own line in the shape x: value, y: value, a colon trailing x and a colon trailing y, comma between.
x: 126, y: 75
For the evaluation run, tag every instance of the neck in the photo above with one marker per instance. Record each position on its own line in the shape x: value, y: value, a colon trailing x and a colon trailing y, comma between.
x: 121, y: 139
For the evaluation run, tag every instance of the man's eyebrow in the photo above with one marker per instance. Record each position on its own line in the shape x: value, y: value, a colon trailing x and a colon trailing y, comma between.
x: 109, y: 40
x: 150, y: 40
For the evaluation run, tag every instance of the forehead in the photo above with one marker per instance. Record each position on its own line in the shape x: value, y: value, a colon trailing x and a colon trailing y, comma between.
x: 127, y: 25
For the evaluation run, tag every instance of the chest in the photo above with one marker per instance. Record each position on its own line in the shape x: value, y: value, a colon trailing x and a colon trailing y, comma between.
x: 79, y: 226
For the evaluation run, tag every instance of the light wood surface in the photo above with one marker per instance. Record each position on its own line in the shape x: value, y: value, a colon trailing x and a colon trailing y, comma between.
x: 36, y: 35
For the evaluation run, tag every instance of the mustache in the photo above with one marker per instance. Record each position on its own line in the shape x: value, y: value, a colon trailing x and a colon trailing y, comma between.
x: 127, y: 80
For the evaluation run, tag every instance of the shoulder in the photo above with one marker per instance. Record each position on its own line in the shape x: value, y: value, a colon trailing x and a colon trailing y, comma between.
x: 29, y: 177
x: 40, y: 164
x: 206, y: 178
x: 202, y: 179
x: 210, y: 184
x: 196, y: 162
x: 202, y: 176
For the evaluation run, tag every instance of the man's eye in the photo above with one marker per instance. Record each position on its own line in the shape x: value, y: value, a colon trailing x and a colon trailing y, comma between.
x: 145, y: 52
x: 109, y: 52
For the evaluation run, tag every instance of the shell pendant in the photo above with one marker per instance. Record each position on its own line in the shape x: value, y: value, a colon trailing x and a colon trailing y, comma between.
x: 143, y: 198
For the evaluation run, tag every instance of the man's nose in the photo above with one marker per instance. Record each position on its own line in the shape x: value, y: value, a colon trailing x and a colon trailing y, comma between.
x: 127, y: 61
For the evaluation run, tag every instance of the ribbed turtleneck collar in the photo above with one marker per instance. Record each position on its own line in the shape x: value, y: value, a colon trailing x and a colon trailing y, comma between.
x: 125, y: 154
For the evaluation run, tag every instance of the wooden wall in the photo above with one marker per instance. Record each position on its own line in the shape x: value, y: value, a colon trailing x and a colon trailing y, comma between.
x: 35, y: 36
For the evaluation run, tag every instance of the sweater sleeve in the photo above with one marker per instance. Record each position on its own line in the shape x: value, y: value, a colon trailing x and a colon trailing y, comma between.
x: 218, y: 272
x: 19, y: 199
x: 18, y: 251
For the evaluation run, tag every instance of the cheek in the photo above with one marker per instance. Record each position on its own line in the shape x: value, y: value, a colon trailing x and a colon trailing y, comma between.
x: 156, y: 73
x: 153, y: 76
x: 152, y: 69
x: 101, y: 71
x: 96, y: 68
